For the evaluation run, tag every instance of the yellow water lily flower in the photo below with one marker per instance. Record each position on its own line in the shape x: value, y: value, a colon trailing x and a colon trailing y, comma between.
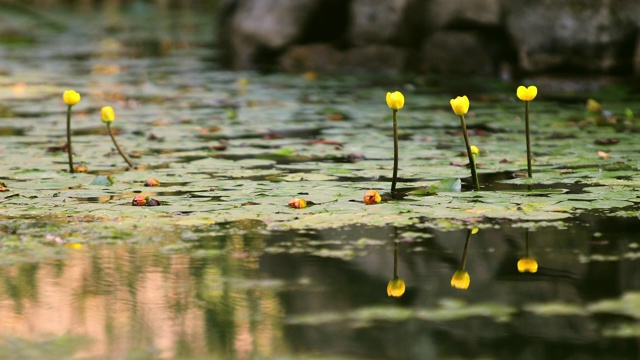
x: 71, y: 97
x: 527, y: 264
x: 395, y: 100
x: 527, y: 93
x: 396, y: 287
x: 474, y: 231
x: 461, y: 280
x: 460, y: 105
x: 475, y: 150
x: 107, y: 114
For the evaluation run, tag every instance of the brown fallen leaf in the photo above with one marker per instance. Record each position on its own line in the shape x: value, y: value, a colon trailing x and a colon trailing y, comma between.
x: 607, y: 141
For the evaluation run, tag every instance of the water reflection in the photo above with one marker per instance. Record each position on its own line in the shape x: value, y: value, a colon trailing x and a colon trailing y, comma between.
x: 461, y: 278
x: 527, y: 263
x: 396, y: 286
x: 235, y: 291
x: 137, y: 300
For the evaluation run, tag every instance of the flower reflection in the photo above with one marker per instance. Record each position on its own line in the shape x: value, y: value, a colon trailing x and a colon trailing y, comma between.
x: 396, y: 286
x: 461, y: 279
x: 527, y: 263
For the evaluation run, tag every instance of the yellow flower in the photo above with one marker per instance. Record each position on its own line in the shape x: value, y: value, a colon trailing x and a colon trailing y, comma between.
x: 460, y: 105
x: 460, y: 280
x: 395, y: 100
x: 107, y: 114
x: 396, y: 287
x: 474, y: 231
x: 475, y: 150
x: 527, y: 264
x: 71, y: 97
x: 372, y: 197
x: 527, y: 94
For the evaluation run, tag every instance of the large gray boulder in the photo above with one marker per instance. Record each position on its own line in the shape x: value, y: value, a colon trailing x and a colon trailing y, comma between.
x: 393, y: 22
x: 458, y: 13
x: 456, y: 53
x: 258, y: 28
x: 571, y: 34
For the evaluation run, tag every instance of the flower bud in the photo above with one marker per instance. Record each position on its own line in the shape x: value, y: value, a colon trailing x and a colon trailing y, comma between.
x: 298, y: 203
x: 71, y: 97
x: 395, y: 100
x: 372, y: 197
x: 107, y: 114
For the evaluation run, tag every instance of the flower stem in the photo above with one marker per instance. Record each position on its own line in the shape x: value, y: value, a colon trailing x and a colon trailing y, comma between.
x: 474, y: 174
x: 69, y: 150
x: 474, y: 171
x: 118, y: 147
x: 526, y: 125
x: 395, y: 152
x: 466, y: 250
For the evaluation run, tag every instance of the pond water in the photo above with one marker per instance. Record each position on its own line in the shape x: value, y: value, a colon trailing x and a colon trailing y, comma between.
x: 224, y: 269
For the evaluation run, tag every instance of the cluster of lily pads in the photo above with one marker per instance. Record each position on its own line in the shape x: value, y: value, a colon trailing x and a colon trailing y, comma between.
x: 395, y: 101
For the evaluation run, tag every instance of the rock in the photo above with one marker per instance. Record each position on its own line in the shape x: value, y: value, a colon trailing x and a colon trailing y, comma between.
x: 456, y: 13
x: 449, y: 36
x: 322, y: 58
x: 379, y: 58
x: 273, y: 23
x: 394, y: 22
x: 257, y: 30
x: 456, y: 52
x: 570, y: 35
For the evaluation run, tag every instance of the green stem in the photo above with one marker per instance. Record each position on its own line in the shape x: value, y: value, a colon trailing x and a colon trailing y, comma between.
x: 118, y: 147
x: 526, y: 124
x: 474, y: 171
x: 466, y: 250
x: 395, y: 151
x: 474, y: 174
x: 69, y: 150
